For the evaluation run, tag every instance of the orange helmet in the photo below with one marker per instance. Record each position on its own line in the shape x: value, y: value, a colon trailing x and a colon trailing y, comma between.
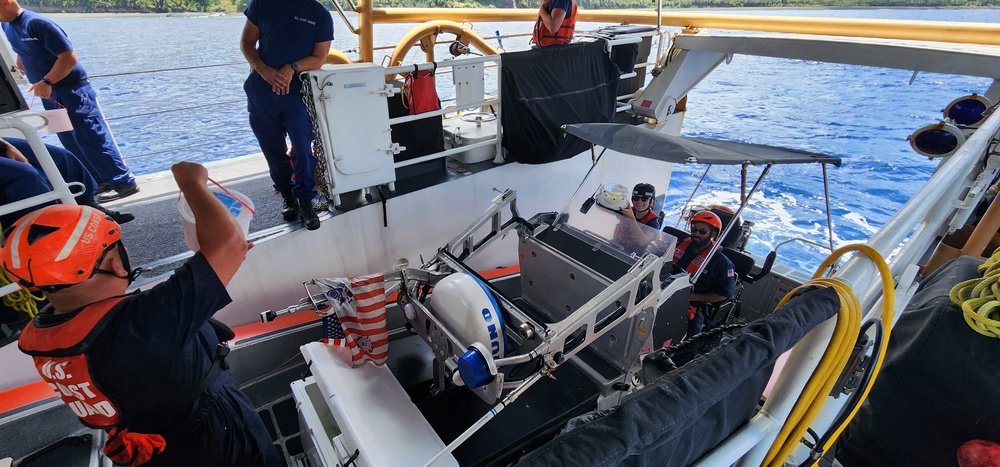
x: 709, y: 218
x: 58, y: 246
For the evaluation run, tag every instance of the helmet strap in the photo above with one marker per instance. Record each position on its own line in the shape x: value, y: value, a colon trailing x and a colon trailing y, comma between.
x: 132, y: 275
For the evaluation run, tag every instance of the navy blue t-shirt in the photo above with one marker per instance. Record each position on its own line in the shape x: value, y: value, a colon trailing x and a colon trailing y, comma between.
x: 38, y: 41
x: 289, y: 31
x: 156, y: 349
x: 718, y: 277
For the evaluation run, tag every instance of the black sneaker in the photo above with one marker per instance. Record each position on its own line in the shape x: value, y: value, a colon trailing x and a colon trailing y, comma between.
x: 308, y: 215
x: 118, y: 192
x: 289, y: 207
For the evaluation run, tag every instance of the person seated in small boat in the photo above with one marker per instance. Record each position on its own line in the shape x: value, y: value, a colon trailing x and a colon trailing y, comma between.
x: 146, y: 366
x: 630, y: 231
x: 21, y: 177
x: 717, y: 282
x: 556, y: 23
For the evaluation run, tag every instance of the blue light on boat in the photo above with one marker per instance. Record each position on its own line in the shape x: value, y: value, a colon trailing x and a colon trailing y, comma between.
x: 968, y: 110
x: 937, y: 140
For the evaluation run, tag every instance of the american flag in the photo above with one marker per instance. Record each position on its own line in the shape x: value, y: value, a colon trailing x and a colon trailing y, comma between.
x: 357, y: 318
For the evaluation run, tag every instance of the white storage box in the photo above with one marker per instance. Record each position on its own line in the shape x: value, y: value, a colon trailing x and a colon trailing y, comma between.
x: 469, y: 129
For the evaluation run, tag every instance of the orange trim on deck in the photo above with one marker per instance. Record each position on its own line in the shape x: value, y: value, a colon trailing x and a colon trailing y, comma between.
x: 35, y: 391
x: 26, y: 394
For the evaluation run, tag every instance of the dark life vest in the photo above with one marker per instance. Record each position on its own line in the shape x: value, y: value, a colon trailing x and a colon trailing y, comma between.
x: 543, y: 37
x: 60, y: 356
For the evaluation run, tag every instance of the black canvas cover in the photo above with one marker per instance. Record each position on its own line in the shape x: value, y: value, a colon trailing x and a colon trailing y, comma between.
x: 682, y: 415
x: 643, y: 142
x: 543, y: 89
x: 938, y: 387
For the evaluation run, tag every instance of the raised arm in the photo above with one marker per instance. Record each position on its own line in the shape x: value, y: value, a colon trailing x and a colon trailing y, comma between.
x: 219, y: 234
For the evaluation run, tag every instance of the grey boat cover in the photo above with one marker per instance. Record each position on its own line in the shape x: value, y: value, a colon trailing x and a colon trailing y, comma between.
x: 938, y: 386
x: 681, y: 415
x: 643, y: 142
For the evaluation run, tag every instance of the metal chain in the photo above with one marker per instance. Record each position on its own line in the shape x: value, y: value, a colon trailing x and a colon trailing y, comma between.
x: 323, y: 185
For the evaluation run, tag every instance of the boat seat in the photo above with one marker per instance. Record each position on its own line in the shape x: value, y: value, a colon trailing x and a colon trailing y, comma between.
x: 699, y: 404
x: 728, y: 311
x: 680, y: 234
x: 740, y: 233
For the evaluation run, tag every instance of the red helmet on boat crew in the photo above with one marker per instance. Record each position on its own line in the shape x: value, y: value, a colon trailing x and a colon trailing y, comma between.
x: 709, y: 218
x: 58, y: 245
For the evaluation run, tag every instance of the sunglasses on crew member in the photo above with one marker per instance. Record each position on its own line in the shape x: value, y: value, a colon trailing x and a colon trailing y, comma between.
x: 639, y: 198
x: 701, y: 231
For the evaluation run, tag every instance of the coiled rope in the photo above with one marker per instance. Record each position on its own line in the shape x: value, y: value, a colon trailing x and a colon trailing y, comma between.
x: 979, y: 298
x: 827, y: 372
x: 21, y: 300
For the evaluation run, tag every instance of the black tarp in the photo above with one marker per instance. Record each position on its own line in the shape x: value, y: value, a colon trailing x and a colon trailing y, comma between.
x: 938, y: 387
x: 643, y: 142
x: 682, y: 415
x: 543, y: 89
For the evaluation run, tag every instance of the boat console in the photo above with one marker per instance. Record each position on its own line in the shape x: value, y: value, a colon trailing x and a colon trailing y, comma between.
x: 565, y: 335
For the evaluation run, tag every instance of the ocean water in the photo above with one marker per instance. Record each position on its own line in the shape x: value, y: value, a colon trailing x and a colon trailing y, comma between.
x: 171, y: 88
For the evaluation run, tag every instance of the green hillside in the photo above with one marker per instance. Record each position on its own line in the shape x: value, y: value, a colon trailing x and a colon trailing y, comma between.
x: 232, y: 6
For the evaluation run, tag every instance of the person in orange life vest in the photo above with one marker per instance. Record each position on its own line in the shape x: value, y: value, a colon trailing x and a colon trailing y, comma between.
x: 146, y: 366
x: 717, y: 282
x: 555, y: 24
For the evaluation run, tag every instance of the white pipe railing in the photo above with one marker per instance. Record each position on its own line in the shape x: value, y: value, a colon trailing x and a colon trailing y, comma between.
x: 920, y: 218
x: 60, y: 189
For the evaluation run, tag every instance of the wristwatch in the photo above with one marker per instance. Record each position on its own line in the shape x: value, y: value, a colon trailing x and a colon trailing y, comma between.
x: 46, y: 81
x: 295, y: 67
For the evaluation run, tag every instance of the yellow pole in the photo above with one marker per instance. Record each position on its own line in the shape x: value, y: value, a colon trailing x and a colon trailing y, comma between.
x: 366, y: 31
x: 941, y: 31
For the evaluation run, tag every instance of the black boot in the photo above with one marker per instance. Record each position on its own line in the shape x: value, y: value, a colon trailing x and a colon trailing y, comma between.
x: 308, y: 215
x: 289, y: 207
x: 119, y: 217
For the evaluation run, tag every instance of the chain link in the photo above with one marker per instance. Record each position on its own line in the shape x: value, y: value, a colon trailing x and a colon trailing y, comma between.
x: 323, y: 185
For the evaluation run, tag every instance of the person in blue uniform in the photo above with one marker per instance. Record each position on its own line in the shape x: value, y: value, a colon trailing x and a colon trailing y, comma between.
x: 717, y: 282
x: 21, y: 177
x: 280, y: 40
x: 45, y: 55
x: 146, y: 366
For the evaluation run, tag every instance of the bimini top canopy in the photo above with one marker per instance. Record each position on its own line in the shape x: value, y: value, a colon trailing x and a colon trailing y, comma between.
x: 643, y: 142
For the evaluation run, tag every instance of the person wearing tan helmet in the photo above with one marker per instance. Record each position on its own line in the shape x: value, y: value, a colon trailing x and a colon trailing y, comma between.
x: 718, y: 280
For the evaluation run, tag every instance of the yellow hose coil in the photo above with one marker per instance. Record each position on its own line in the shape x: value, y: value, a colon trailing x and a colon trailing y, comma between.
x: 22, y: 300
x: 979, y: 298
x: 838, y: 353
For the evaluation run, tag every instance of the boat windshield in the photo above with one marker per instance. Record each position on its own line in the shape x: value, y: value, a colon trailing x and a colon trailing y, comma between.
x: 597, y: 223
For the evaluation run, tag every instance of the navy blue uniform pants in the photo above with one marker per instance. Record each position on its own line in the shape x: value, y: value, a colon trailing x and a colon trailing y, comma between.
x: 272, y: 117
x: 69, y: 166
x: 91, y: 140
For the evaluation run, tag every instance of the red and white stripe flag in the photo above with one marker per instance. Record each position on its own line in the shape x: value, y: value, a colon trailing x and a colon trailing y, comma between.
x: 357, y: 320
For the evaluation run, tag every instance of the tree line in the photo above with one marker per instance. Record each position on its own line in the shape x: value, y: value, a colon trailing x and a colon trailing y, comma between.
x: 235, y: 6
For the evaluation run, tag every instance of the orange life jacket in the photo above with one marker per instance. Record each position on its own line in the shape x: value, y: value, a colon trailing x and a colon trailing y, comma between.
x: 543, y: 37
x: 695, y: 263
x: 60, y: 356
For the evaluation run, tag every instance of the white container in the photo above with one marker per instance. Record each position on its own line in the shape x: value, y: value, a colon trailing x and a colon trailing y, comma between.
x: 469, y: 129
x: 243, y: 211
